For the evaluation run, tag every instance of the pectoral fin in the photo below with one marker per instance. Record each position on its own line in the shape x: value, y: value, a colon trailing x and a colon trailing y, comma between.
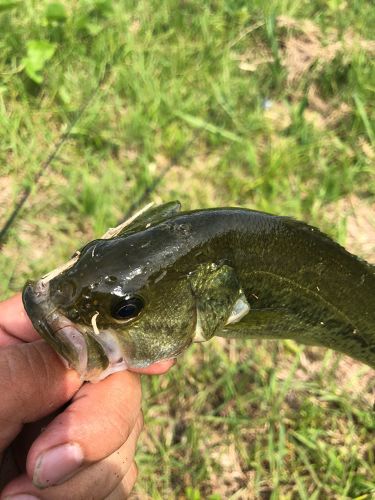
x: 240, y: 309
x: 219, y: 299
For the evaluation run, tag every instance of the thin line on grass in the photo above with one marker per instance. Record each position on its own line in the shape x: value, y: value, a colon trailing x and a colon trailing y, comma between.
x: 154, y: 184
x: 56, y: 149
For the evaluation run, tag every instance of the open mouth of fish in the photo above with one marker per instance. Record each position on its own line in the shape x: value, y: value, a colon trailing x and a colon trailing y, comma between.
x: 74, y: 343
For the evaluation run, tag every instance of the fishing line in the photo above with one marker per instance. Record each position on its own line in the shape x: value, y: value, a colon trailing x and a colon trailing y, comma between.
x: 37, y: 176
x: 4, y: 232
x: 141, y: 200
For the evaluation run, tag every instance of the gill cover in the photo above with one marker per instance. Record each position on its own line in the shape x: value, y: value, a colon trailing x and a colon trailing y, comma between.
x: 219, y: 297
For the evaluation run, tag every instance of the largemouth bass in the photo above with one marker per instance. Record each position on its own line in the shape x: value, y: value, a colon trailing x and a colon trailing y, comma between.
x: 149, y: 288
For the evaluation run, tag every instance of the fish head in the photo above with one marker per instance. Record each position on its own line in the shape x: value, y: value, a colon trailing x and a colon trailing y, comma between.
x: 141, y: 294
x: 122, y: 303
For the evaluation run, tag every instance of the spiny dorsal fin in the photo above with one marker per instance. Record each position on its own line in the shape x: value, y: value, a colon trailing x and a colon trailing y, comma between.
x: 146, y: 217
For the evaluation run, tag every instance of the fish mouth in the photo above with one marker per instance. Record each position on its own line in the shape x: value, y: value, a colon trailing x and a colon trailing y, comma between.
x: 94, y: 356
x: 63, y: 335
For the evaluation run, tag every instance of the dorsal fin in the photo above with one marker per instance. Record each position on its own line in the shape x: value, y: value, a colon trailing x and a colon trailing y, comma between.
x: 146, y: 217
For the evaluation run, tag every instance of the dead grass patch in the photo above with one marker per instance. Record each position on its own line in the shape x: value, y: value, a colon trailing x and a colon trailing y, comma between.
x: 360, y: 224
x: 324, y: 114
x: 307, y: 46
x: 196, y: 178
x: 278, y: 114
x: 6, y: 195
x: 366, y: 148
x: 256, y: 55
x: 232, y: 479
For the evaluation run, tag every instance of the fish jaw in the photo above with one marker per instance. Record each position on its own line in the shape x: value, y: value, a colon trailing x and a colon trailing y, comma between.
x: 63, y: 335
x: 73, y: 343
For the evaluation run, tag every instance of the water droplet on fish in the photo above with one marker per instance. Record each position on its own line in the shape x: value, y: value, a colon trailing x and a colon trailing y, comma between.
x: 118, y: 291
x: 110, y: 279
x: 134, y: 272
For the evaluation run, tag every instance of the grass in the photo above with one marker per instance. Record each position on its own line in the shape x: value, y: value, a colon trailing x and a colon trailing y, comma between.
x: 267, y: 105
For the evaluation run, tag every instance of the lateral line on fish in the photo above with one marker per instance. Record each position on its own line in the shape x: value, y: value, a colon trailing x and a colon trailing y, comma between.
x: 306, y: 290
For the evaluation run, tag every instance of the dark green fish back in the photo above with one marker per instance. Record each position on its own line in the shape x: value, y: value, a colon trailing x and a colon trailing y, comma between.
x: 303, y: 285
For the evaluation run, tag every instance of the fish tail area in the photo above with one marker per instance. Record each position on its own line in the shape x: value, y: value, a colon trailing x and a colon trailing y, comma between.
x: 310, y: 289
x: 274, y: 324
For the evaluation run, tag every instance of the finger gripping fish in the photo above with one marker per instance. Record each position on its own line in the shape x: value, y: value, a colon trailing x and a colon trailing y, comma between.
x: 164, y: 279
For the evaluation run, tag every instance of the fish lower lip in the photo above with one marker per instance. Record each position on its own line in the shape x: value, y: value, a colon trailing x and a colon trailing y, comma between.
x: 67, y: 339
x: 53, y: 326
x: 74, y: 342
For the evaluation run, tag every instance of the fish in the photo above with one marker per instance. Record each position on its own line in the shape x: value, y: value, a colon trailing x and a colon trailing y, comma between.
x: 166, y: 278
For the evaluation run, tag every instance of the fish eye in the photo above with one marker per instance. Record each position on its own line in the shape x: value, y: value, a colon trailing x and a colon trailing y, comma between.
x: 127, y: 308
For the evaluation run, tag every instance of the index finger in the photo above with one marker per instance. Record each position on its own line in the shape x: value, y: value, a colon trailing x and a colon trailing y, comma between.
x: 15, y: 325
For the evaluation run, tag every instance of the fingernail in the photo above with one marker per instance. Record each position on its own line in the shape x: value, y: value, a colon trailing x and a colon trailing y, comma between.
x: 21, y: 496
x: 57, y: 464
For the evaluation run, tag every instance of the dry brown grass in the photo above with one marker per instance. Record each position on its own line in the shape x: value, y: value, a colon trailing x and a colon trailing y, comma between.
x: 360, y: 224
x: 307, y: 46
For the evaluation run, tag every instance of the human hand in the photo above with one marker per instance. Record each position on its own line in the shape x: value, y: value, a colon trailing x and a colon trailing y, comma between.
x: 87, y: 447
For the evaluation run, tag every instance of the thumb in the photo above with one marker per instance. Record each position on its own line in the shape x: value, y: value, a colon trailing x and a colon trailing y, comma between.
x: 33, y: 383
